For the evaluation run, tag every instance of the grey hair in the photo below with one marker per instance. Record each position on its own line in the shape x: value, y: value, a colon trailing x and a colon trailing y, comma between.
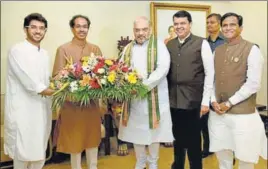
x: 142, y: 18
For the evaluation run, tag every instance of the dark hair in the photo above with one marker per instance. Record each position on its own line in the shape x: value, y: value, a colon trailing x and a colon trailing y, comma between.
x: 182, y: 14
x: 216, y: 15
x: 71, y: 23
x: 34, y: 16
x: 239, y: 18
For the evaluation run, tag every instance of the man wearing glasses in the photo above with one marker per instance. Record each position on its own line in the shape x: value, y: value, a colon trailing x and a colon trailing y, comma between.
x: 80, y: 128
x: 27, y: 122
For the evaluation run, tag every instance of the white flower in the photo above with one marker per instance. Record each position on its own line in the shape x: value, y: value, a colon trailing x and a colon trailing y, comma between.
x: 101, y: 70
x: 73, y: 89
x: 92, y: 61
x: 103, y: 81
x: 86, y: 68
x: 73, y: 86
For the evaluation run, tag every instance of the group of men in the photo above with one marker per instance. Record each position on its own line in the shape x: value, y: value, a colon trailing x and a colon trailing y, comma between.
x: 186, y: 81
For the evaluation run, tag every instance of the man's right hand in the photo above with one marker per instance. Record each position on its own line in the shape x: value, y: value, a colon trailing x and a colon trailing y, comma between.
x: 216, y: 108
x: 47, y: 92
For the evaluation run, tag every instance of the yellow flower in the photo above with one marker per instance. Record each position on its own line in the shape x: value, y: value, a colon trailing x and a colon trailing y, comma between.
x: 111, y: 77
x: 85, y: 63
x: 85, y: 58
x: 132, y: 78
x: 52, y: 85
x: 108, y: 62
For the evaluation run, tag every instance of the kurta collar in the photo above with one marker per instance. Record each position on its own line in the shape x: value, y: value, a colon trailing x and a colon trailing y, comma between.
x: 144, y: 44
x: 78, y: 42
x: 183, y: 40
x: 235, y: 42
x: 32, y: 45
x: 220, y: 36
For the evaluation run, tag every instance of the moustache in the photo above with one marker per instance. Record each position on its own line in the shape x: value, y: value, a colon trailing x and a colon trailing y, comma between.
x: 141, y: 36
x: 179, y: 29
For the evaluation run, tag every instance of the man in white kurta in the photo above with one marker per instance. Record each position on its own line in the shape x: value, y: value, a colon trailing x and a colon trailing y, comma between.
x: 235, y: 125
x: 27, y: 122
x: 137, y: 130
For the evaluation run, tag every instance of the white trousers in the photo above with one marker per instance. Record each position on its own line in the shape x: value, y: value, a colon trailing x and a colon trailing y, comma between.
x: 242, y: 133
x: 91, y: 156
x: 142, y: 157
x: 28, y: 164
x: 225, y: 158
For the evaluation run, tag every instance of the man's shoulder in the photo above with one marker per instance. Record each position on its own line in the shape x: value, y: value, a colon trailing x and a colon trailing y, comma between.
x: 65, y: 45
x: 220, y: 47
x: 18, y: 46
x: 198, y: 37
x: 249, y: 42
x: 92, y: 45
x: 172, y: 42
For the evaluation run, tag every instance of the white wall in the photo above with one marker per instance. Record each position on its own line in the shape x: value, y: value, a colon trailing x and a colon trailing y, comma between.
x: 110, y: 20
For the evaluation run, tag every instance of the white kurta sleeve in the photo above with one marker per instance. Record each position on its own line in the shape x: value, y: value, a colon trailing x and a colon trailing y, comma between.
x: 253, y: 81
x: 213, y: 94
x: 19, y: 67
x: 208, y: 62
x: 163, y: 64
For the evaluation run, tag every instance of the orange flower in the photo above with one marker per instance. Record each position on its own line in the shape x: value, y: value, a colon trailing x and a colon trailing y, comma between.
x: 85, y: 81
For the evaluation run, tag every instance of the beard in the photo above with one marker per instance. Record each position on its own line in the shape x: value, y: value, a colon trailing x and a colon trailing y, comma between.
x: 34, y: 39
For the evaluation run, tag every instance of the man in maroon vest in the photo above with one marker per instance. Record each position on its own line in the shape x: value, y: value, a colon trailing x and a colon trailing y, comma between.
x: 236, y: 126
x: 190, y: 82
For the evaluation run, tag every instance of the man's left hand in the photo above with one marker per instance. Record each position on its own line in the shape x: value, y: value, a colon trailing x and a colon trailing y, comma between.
x: 204, y: 110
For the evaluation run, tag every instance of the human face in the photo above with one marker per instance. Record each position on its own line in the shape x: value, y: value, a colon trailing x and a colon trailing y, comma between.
x: 172, y: 32
x: 141, y: 31
x: 182, y: 26
x: 213, y: 25
x: 80, y: 29
x: 35, y: 32
x: 230, y: 28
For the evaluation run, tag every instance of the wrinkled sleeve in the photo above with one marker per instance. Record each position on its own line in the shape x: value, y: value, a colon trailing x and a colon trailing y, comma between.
x: 161, y: 71
x: 20, y: 68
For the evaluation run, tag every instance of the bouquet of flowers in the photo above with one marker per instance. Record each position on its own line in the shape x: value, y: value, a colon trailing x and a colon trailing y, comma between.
x: 96, y: 78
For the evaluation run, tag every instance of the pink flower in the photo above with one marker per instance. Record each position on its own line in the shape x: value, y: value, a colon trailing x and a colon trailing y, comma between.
x: 64, y: 73
x: 124, y: 69
x: 113, y: 67
x: 78, y: 70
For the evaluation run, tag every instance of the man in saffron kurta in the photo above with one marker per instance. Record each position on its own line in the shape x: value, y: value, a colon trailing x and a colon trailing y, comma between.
x: 28, y: 117
x: 80, y: 128
x: 140, y: 129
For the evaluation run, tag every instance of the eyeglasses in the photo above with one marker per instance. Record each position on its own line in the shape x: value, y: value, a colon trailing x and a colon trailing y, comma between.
x: 33, y: 27
x: 81, y: 26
